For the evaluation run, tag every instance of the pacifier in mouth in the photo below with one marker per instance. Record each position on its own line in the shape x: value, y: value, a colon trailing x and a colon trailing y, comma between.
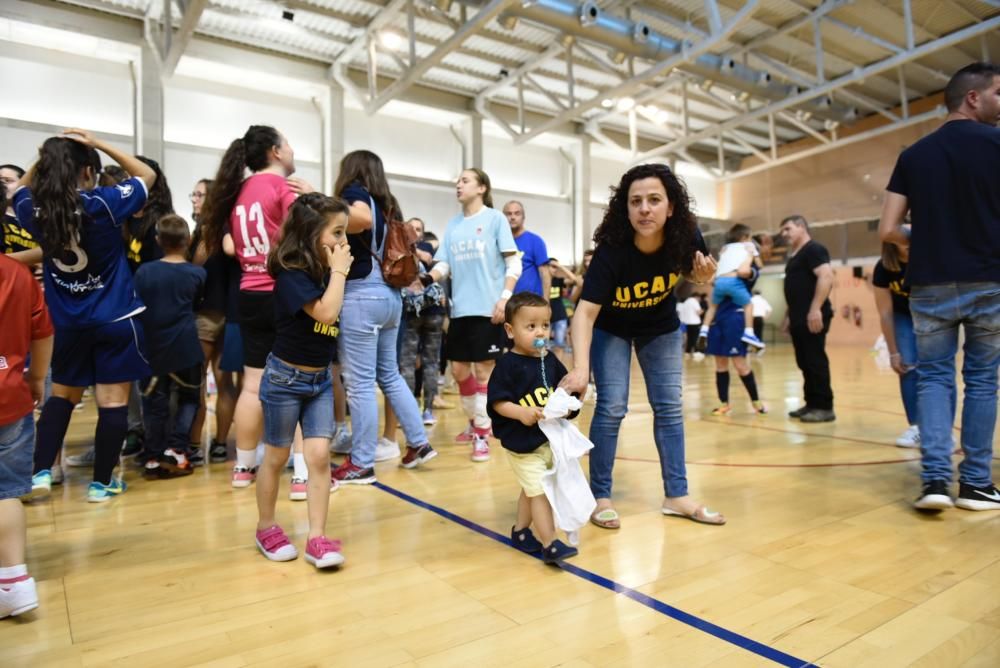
x: 539, y: 344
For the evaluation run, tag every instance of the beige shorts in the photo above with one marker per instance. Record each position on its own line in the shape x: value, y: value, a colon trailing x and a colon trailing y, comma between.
x: 528, y: 468
x: 211, y: 325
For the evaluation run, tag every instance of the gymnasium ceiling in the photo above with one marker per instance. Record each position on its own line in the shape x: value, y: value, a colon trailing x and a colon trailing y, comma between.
x: 711, y: 81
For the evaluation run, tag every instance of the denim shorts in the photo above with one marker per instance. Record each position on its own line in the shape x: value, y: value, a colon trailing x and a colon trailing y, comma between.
x: 291, y: 397
x: 17, y: 448
x: 733, y: 287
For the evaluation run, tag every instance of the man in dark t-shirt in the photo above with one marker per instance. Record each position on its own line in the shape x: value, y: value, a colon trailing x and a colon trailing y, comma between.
x: 808, y: 281
x: 948, y: 183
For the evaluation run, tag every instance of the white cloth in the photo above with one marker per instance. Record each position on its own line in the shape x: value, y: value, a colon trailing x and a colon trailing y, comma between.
x: 761, y: 307
x: 564, y: 484
x: 733, y: 255
x: 689, y: 311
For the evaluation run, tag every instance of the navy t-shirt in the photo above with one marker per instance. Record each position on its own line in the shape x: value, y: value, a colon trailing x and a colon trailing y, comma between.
x: 172, y: 292
x: 299, y: 339
x: 533, y: 254
x: 142, y: 245
x: 895, y: 283
x: 518, y: 379
x: 800, y: 282
x: 635, y: 290
x: 361, y: 243
x: 90, y: 284
x: 556, y: 302
x: 951, y: 179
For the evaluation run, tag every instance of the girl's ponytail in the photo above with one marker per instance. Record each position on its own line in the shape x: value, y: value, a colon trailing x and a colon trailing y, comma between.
x: 221, y: 198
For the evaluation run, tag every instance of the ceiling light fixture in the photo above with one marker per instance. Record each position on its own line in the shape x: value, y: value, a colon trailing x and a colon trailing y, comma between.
x: 625, y: 104
x: 392, y: 39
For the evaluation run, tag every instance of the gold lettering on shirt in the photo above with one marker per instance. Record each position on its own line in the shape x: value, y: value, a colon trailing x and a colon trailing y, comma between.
x: 537, y: 398
x: 325, y: 330
x: 896, y: 287
x: 134, y: 248
x: 644, y: 294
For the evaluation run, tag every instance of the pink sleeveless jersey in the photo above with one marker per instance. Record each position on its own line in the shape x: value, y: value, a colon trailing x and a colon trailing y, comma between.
x: 257, y: 217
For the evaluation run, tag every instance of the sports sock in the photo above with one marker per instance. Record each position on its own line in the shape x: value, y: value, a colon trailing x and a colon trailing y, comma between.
x: 750, y: 383
x: 703, y: 331
x: 467, y: 390
x: 112, y: 425
x: 748, y: 331
x: 246, y: 458
x: 481, y: 421
x: 299, y: 462
x: 722, y: 385
x: 11, y: 574
x: 51, y: 431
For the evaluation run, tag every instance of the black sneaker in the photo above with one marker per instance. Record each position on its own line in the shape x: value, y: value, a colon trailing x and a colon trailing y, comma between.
x: 195, y: 455
x: 217, y: 452
x: 558, y: 551
x: 701, y: 344
x: 167, y: 466
x: 818, y: 415
x: 133, y: 443
x: 978, y: 498
x: 934, y: 496
x: 798, y: 412
x: 525, y: 541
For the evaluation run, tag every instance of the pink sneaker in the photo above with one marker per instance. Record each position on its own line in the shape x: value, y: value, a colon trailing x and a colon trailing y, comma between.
x: 299, y: 490
x: 467, y: 435
x: 243, y: 477
x: 322, y: 552
x: 273, y: 544
x: 480, y: 449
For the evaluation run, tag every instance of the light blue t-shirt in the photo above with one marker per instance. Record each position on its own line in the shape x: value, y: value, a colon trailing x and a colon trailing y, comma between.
x: 473, y: 248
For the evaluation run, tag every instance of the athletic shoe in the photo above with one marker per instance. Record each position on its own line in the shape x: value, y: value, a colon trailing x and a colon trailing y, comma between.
x: 480, y: 449
x: 349, y: 474
x: 429, y: 418
x: 341, y: 444
x: 217, y: 452
x: 176, y: 460
x: 168, y: 465
x: 698, y: 357
x: 798, y: 412
x: 701, y: 344
x: 41, y: 485
x: 273, y: 544
x: 322, y: 552
x: 818, y: 415
x: 439, y: 402
x: 134, y: 441
x: 99, y: 493
x: 759, y: 407
x: 57, y: 474
x: 18, y: 598
x: 525, y: 541
x: 195, y: 455
x: 751, y: 340
x: 386, y: 450
x: 416, y: 456
x: 978, y: 498
x: 467, y: 435
x: 558, y: 551
x: 243, y: 476
x: 909, y: 438
x: 722, y: 410
x: 85, y: 459
x: 298, y: 489
x: 934, y: 496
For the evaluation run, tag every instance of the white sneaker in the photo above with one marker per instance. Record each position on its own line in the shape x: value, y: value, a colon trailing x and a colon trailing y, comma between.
x: 480, y: 449
x: 909, y: 438
x: 698, y: 357
x: 18, y: 598
x: 386, y: 450
x: 84, y: 460
x: 341, y: 444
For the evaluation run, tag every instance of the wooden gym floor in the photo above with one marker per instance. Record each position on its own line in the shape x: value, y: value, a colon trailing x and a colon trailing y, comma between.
x: 822, y: 560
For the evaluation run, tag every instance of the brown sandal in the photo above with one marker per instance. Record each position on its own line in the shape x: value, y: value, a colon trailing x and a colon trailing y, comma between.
x: 702, y: 515
x: 606, y: 518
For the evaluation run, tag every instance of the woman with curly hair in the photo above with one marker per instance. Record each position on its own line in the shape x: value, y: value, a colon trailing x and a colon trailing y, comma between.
x: 648, y: 239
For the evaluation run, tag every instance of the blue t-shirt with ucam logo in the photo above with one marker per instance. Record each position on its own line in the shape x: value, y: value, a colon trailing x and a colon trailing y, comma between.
x: 473, y: 247
x: 90, y: 284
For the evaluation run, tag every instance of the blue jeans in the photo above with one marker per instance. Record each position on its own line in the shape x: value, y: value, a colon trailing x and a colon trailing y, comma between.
x: 17, y: 448
x: 937, y: 311
x: 660, y: 359
x: 906, y: 344
x: 291, y: 397
x: 369, y: 324
x: 157, y: 393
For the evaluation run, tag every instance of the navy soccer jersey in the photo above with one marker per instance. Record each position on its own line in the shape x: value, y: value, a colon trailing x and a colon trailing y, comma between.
x: 90, y: 284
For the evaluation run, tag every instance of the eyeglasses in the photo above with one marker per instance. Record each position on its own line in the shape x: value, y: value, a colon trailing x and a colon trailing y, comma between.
x: 197, y: 195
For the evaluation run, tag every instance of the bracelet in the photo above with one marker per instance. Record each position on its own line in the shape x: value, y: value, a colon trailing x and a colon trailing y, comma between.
x: 895, y: 355
x: 340, y: 271
x: 506, y: 294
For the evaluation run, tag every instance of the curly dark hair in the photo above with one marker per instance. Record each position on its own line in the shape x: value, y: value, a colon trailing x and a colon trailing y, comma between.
x: 680, y: 230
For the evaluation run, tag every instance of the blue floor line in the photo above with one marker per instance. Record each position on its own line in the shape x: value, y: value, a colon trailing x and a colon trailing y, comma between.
x: 726, y: 635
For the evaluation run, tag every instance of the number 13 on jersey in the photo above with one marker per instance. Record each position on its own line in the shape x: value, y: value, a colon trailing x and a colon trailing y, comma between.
x: 259, y: 243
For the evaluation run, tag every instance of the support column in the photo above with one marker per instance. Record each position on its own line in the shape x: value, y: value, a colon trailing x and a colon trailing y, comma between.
x: 583, y: 226
x: 476, y: 141
x: 149, y: 107
x: 333, y: 134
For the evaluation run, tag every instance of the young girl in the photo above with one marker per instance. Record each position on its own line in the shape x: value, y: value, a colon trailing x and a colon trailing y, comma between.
x: 90, y: 295
x: 309, y: 265
x: 479, y: 252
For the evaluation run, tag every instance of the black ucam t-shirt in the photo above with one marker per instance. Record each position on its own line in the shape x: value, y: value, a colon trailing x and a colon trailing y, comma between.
x: 556, y: 299
x: 635, y: 290
x: 895, y: 283
x: 298, y: 338
x: 951, y: 180
x: 800, y: 282
x: 172, y: 292
x: 142, y: 246
x: 518, y: 379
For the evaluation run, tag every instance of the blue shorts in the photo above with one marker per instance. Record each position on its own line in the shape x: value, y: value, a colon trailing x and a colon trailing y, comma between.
x: 734, y: 288
x: 291, y: 397
x: 726, y: 332
x: 232, y: 349
x: 17, y: 449
x: 106, y: 354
